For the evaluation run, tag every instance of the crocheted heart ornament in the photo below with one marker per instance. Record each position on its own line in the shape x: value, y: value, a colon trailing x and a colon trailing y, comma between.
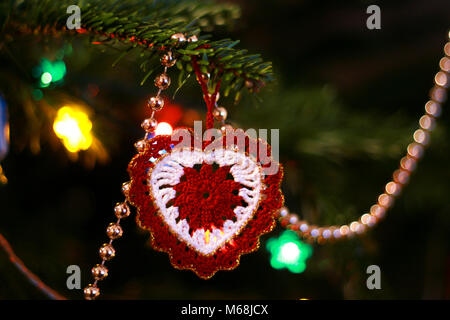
x: 205, y: 208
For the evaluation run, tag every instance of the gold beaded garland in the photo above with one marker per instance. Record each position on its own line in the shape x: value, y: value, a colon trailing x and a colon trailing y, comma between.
x: 401, y: 176
x: 121, y: 209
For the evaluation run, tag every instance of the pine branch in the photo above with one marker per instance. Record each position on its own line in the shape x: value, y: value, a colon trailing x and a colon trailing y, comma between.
x: 148, y: 26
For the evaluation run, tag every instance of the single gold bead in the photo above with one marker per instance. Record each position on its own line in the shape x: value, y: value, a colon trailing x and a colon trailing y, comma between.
x: 445, y: 64
x: 179, y: 37
x: 433, y: 108
x: 377, y: 211
x: 284, y: 212
x: 392, y: 188
x: 336, y: 233
x: 326, y: 233
x: 427, y: 123
x: 99, y: 272
x: 121, y: 210
x: 447, y: 47
x: 220, y: 113
x: 114, y: 231
x: 156, y: 103
x: 107, y: 251
x: 140, y: 145
x: 441, y: 79
x: 438, y: 94
x: 149, y: 124
x: 422, y: 137
x: 167, y: 60
x: 91, y: 292
x: 314, y: 232
x: 162, y: 81
x: 354, y: 226
x: 293, y: 218
x: 415, y: 150
x: 193, y: 38
x: 385, y: 200
x: 126, y: 188
x: 368, y: 219
x: 401, y: 176
x: 344, y: 230
x: 408, y: 163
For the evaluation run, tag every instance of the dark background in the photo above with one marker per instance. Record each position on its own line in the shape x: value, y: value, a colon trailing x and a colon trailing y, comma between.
x: 54, y: 211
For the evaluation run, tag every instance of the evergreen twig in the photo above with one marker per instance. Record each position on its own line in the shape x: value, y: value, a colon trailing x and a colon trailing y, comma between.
x: 148, y: 27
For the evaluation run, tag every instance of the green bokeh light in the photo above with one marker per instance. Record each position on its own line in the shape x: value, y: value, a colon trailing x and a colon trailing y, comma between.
x: 289, y: 252
x: 51, y: 72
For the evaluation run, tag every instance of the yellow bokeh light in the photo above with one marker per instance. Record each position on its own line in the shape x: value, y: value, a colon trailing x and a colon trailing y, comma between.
x: 73, y: 127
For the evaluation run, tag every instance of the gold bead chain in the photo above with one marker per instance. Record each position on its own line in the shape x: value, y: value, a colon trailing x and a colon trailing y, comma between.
x: 122, y: 210
x: 400, y: 177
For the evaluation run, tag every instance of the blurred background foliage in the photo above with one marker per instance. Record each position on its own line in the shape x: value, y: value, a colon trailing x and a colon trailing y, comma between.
x: 346, y: 100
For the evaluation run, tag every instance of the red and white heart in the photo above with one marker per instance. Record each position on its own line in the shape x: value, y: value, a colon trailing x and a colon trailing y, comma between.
x: 204, y: 189
x: 204, y: 208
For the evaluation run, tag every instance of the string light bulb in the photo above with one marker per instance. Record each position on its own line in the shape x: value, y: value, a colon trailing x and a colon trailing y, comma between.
x: 163, y: 128
x: 50, y: 72
x: 289, y: 252
x: 73, y: 127
x: 46, y: 78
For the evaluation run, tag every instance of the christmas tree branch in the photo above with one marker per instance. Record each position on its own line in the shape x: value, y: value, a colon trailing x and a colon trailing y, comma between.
x: 34, y: 280
x: 148, y: 27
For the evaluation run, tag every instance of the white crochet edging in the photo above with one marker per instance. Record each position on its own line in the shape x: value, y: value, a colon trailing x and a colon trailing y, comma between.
x: 167, y: 173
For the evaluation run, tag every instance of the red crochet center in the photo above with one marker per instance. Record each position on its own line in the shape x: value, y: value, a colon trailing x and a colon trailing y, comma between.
x: 206, y: 197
